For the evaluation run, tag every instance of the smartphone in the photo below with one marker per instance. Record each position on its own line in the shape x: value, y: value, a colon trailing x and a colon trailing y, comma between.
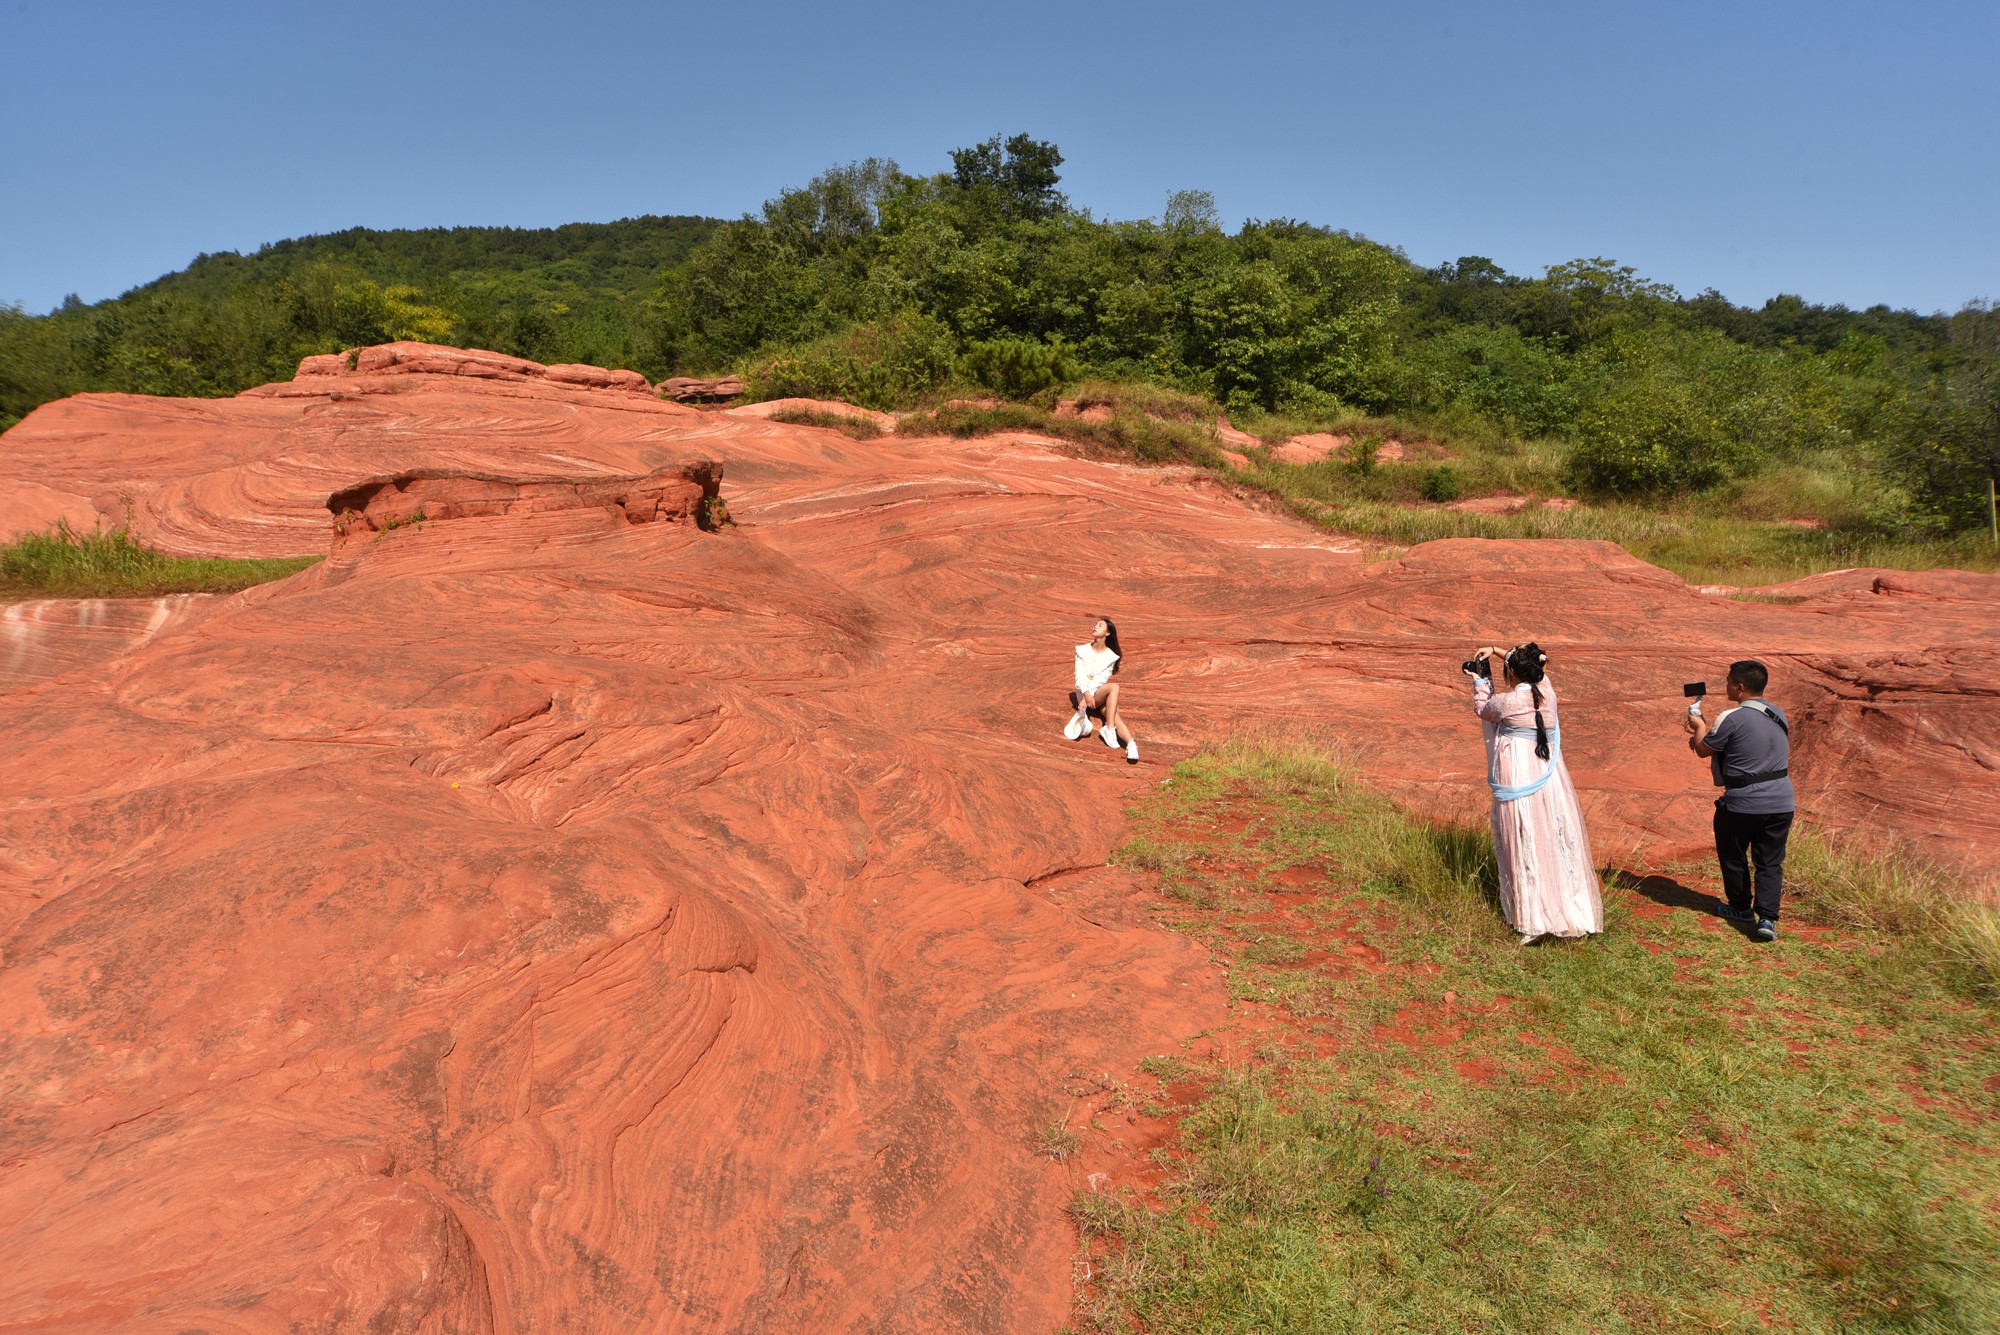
x: 1694, y: 690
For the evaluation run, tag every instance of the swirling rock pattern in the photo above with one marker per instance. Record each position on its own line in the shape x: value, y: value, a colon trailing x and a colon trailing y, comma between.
x: 540, y: 921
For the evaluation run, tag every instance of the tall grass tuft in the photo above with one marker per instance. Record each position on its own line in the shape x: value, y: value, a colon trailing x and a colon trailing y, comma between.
x: 63, y: 563
x: 1885, y: 888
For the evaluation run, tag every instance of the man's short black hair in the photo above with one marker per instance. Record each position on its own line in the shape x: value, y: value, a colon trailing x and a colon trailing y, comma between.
x: 1751, y: 675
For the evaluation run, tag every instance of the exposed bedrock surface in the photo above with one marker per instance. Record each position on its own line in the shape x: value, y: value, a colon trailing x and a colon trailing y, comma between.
x: 540, y: 921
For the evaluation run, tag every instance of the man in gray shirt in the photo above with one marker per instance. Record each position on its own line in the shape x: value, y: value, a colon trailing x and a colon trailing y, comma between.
x: 1750, y: 754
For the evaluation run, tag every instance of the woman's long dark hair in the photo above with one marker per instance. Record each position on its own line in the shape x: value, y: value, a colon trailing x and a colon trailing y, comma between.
x: 1527, y: 663
x: 1111, y: 643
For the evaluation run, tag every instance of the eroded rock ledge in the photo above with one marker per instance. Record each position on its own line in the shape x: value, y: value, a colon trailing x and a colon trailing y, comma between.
x: 674, y: 496
x: 434, y: 359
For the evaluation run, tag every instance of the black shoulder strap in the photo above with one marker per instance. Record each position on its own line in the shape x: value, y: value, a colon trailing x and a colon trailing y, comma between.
x: 1768, y: 713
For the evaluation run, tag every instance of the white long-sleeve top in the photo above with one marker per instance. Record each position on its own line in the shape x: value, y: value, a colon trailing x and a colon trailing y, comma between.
x: 1094, y: 667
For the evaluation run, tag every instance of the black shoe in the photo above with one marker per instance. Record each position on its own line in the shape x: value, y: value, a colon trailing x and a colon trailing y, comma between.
x: 1732, y: 914
x: 1765, y: 930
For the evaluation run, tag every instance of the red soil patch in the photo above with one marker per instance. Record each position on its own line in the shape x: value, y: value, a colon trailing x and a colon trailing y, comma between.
x: 1501, y: 503
x: 1314, y: 446
x: 1478, y: 1070
x: 1229, y: 435
x: 1496, y: 504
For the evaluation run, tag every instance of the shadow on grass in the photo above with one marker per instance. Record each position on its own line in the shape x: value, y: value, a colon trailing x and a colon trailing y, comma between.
x: 1669, y: 893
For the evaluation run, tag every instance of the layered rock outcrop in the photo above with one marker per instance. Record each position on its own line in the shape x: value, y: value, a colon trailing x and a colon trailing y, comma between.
x: 534, y: 920
x: 253, y: 475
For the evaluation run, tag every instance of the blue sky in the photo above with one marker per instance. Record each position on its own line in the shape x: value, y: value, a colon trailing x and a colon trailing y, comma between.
x: 1846, y: 152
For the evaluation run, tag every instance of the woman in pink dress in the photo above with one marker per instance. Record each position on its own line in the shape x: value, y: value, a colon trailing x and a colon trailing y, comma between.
x: 1548, y: 884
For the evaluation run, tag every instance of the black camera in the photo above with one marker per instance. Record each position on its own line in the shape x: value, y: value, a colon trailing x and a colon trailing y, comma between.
x: 1477, y: 667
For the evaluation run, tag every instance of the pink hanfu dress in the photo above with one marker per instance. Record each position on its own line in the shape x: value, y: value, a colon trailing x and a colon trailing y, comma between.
x: 1548, y: 883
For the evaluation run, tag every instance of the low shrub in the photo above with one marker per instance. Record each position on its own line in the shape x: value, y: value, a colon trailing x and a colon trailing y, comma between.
x: 860, y: 428
x: 1136, y: 436
x: 971, y: 419
x: 1015, y: 368
x: 1443, y: 483
x: 1147, y: 400
x: 879, y: 364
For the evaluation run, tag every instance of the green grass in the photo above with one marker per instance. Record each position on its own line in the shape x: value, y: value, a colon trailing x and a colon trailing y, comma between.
x: 1747, y: 533
x: 1701, y: 548
x: 1791, y: 521
x: 63, y: 563
x: 1666, y: 1128
x: 1137, y: 427
x: 857, y: 427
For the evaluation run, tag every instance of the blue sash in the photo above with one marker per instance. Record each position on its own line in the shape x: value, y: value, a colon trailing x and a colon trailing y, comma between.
x: 1515, y: 792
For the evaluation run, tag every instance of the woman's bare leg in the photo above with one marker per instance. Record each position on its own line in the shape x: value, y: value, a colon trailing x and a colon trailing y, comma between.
x: 1112, y: 719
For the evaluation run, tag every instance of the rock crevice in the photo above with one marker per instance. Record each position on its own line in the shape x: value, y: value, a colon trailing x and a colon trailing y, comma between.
x: 680, y: 495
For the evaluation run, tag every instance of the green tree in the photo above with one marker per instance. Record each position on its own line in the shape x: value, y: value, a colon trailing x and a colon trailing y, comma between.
x: 1019, y: 176
x: 1582, y: 302
x: 1947, y: 449
x: 1671, y: 409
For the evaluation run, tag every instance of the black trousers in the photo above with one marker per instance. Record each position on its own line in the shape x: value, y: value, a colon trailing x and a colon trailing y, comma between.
x: 1743, y: 841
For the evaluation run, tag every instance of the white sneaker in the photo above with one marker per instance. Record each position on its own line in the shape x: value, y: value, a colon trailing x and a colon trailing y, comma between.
x: 1132, y: 752
x: 1110, y: 737
x: 1077, y: 728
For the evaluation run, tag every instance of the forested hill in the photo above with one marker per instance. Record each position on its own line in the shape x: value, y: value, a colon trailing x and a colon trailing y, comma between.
x: 895, y: 290
x: 514, y: 266
x: 229, y: 321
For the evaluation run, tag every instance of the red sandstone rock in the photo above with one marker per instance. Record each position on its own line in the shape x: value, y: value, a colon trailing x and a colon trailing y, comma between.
x: 30, y: 507
x: 534, y: 920
x: 46, y: 637
x: 326, y: 363
x: 435, y: 359
x: 596, y: 377
x: 686, y: 389
x: 387, y: 503
x: 831, y: 407
x: 251, y: 476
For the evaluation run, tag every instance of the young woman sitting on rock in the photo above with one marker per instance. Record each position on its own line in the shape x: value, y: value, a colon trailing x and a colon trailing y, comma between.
x: 1548, y: 883
x: 1096, y: 694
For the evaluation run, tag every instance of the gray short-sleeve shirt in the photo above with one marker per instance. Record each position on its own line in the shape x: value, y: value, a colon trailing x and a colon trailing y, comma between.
x: 1746, y: 742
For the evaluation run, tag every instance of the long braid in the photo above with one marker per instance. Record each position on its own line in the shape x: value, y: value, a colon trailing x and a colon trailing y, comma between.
x: 1525, y: 662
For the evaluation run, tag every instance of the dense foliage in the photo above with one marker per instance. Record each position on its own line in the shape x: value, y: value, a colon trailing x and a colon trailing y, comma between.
x: 227, y: 322
x: 890, y: 289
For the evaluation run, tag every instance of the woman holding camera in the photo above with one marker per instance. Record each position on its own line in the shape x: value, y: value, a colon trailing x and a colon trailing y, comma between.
x: 1548, y: 883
